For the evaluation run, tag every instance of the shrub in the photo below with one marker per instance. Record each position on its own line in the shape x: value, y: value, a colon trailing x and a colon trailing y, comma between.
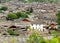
x: 3, y: 8
x: 58, y: 13
x: 19, y: 14
x: 55, y: 1
x: 53, y: 32
x: 10, y: 31
x: 55, y: 39
x: 59, y: 27
x: 12, y: 16
x: 28, y: 12
x: 0, y: 11
x: 28, y: 27
x: 58, y: 17
x: 24, y: 15
x: 0, y: 1
x: 58, y: 22
x: 36, y: 38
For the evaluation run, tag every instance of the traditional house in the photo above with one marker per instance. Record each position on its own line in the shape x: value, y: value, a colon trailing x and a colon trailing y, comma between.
x: 40, y: 27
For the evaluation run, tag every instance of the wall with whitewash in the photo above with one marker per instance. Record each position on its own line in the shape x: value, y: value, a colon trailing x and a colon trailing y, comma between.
x: 38, y: 26
x: 41, y: 27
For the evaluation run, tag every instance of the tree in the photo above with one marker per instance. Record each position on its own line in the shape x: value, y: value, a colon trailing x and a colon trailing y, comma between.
x: 12, y: 16
x: 36, y: 38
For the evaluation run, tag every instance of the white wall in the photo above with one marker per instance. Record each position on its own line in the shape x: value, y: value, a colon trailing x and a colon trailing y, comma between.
x: 38, y: 26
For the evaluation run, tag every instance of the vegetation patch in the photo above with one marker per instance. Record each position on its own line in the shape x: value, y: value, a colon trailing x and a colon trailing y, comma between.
x: 58, y: 17
x: 37, y: 38
x: 4, y: 8
x: 18, y: 15
x: 10, y: 31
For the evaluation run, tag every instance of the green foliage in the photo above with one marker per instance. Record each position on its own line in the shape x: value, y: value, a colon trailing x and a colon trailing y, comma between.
x: 55, y: 39
x: 28, y: 27
x: 58, y: 13
x: 58, y: 17
x: 53, y: 32
x: 55, y: 1
x: 3, y: 8
x: 10, y: 31
x: 58, y: 27
x: 0, y: 11
x: 12, y: 16
x: 22, y: 14
x: 28, y: 12
x: 42, y: 0
x: 58, y: 22
x: 36, y: 38
x: 19, y: 14
x: 0, y: 1
x: 22, y: 0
